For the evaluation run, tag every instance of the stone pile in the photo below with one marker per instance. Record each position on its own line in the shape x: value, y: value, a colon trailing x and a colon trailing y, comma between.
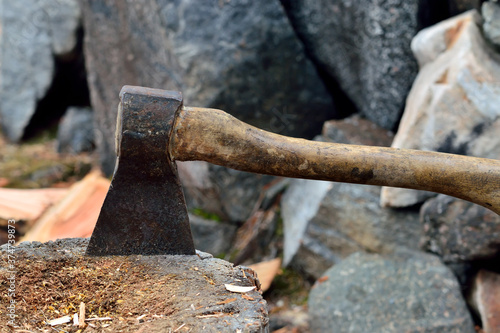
x: 408, y: 74
x: 453, y: 107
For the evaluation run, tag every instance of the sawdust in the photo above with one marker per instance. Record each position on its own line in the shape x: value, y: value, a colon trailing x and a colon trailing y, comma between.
x: 109, y: 287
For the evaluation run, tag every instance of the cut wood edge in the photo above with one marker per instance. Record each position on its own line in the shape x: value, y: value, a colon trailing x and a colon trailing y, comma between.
x: 28, y: 204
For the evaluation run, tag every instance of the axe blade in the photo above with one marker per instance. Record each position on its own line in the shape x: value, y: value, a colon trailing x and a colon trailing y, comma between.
x: 144, y: 211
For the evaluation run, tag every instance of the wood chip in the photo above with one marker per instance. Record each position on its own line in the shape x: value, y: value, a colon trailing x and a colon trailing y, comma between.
x: 248, y: 298
x: 59, y: 321
x: 226, y: 301
x: 178, y: 328
x: 215, y: 315
x: 238, y: 289
x: 100, y: 319
x: 81, y: 322
x: 323, y: 279
x: 75, y: 320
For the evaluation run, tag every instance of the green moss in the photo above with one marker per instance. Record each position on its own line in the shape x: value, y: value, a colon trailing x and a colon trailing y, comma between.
x: 233, y: 255
x: 44, y: 136
x: 206, y: 215
x: 279, y: 231
x: 36, y: 164
x: 290, y: 285
x: 220, y: 255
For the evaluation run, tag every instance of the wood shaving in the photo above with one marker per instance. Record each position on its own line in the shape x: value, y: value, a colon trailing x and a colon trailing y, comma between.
x: 238, y: 289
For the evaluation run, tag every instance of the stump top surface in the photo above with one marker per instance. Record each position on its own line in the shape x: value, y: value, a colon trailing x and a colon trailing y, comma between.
x: 183, y: 293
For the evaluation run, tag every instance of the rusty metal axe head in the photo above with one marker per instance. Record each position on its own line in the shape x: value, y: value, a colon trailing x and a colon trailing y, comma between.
x: 144, y: 211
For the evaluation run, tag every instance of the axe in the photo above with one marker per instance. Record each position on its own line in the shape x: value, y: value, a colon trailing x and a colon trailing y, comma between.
x: 145, y: 211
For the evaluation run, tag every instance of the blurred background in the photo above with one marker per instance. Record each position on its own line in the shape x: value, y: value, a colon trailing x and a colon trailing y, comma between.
x: 416, y: 74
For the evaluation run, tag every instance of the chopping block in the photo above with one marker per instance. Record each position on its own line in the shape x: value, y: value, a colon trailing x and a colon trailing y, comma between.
x: 47, y: 284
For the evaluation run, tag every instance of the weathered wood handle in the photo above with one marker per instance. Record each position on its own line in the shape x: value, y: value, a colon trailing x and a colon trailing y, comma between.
x: 219, y: 138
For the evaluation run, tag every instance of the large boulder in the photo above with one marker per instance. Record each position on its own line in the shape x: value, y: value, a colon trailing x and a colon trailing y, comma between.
x: 403, y: 292
x: 325, y: 222
x: 459, y: 231
x: 453, y: 104
x: 365, y: 46
x: 241, y: 56
x: 32, y: 33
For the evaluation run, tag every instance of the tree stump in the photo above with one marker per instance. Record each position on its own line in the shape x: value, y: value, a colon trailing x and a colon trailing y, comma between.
x: 47, y: 281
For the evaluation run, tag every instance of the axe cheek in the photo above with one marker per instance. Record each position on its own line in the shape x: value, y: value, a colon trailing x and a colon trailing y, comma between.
x: 144, y: 211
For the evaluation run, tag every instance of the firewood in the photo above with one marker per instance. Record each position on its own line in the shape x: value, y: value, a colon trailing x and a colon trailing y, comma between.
x: 74, y: 215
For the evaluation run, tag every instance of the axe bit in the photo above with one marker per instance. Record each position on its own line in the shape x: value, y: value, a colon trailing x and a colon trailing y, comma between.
x: 145, y: 212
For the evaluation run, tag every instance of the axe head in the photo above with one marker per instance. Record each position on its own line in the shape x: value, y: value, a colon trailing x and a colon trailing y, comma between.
x: 144, y: 211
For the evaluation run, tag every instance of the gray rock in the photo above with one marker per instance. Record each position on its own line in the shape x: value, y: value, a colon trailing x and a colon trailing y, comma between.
x: 31, y: 34
x: 365, y: 46
x: 76, y: 131
x: 211, y: 236
x: 356, y: 130
x: 325, y: 222
x: 403, y: 292
x: 453, y: 104
x: 458, y: 230
x: 241, y: 56
x: 491, y: 24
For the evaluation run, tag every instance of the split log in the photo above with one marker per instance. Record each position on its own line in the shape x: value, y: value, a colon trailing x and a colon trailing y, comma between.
x: 75, y: 215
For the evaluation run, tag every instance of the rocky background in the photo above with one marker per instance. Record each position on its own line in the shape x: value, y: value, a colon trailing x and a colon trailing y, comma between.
x: 414, y: 74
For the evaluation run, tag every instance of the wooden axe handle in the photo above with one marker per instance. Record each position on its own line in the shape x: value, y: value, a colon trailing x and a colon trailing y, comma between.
x: 219, y: 138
